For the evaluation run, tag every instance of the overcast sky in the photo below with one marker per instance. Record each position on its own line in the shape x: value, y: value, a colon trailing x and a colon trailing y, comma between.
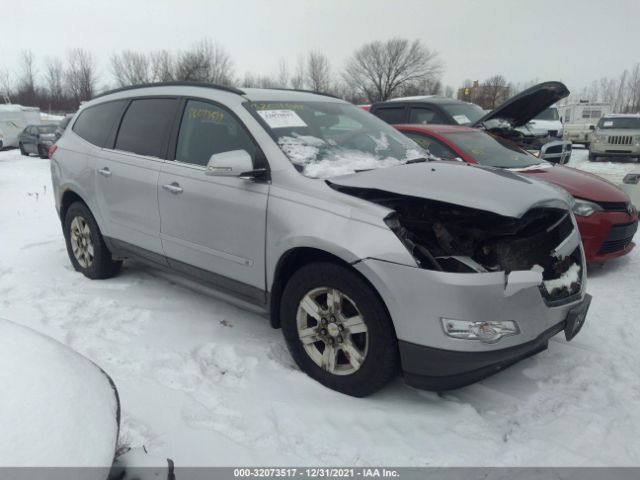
x: 569, y: 40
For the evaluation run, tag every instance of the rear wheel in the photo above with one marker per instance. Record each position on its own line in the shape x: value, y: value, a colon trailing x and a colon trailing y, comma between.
x: 338, y: 330
x: 42, y: 152
x: 22, y: 150
x: 87, y: 251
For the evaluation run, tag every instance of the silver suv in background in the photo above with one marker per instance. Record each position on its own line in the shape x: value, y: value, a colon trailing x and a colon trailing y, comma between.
x: 616, y: 135
x: 370, y: 256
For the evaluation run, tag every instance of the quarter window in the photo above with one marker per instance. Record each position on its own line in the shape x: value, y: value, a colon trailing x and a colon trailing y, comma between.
x: 207, y: 129
x: 96, y: 123
x: 146, y: 126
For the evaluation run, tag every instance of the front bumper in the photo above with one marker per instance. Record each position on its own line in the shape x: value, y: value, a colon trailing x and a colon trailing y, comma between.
x: 417, y: 300
x: 607, y: 235
x: 433, y: 369
x: 621, y: 151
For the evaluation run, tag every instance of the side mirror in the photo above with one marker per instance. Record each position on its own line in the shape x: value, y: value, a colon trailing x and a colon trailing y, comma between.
x: 236, y: 163
x: 592, y: 127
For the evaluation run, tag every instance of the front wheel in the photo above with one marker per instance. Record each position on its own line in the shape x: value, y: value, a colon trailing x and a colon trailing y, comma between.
x: 592, y: 157
x: 87, y: 251
x: 338, y: 330
x: 22, y: 150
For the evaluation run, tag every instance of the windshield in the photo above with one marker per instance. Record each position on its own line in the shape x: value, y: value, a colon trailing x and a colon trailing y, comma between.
x: 492, y: 151
x: 464, y: 113
x: 550, y: 113
x: 325, y: 139
x: 46, y: 129
x: 620, y: 122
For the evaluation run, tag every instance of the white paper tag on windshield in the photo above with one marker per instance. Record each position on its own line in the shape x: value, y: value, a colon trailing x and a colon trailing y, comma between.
x: 461, y: 119
x: 281, y: 118
x: 608, y: 124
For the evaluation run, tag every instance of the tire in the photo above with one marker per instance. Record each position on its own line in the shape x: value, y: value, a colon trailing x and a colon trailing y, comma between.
x: 592, y: 157
x: 377, y: 347
x: 22, y: 150
x: 81, y: 232
x: 42, y: 153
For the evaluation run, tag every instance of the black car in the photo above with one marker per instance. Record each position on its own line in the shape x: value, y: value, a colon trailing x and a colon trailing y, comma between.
x: 37, y: 139
x: 508, y: 120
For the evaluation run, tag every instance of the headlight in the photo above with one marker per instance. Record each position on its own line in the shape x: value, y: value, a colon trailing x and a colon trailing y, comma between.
x: 585, y: 208
x: 601, y: 138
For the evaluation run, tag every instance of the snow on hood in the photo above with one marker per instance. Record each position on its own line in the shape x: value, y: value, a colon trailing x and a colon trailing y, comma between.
x: 526, y: 105
x: 56, y: 408
x: 483, y: 188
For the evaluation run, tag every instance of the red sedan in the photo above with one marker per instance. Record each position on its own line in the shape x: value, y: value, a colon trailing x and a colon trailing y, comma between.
x: 606, y: 218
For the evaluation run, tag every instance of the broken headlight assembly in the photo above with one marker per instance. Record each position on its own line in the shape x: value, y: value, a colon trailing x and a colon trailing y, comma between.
x: 486, y: 332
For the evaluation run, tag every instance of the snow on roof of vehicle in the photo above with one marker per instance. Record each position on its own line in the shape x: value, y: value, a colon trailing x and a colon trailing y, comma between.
x: 621, y: 115
x: 57, y: 408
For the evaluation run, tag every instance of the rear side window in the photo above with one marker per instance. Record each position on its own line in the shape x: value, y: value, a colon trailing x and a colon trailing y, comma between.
x: 145, y: 126
x: 95, y: 123
x: 391, y: 114
x: 207, y: 129
x: 424, y: 116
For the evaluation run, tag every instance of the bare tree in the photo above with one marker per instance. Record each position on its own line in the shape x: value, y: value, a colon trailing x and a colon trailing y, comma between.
x: 380, y: 69
x: 298, y: 79
x: 495, y: 90
x: 54, y: 79
x: 80, y: 75
x: 449, y: 91
x: 27, y: 78
x: 5, y: 85
x: 205, y: 62
x: 283, y: 74
x: 632, y: 103
x: 131, y: 68
x: 318, y: 72
x: 162, y: 66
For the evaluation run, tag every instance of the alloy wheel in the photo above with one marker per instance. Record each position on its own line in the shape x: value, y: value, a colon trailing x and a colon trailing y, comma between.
x: 332, y: 330
x: 81, y: 243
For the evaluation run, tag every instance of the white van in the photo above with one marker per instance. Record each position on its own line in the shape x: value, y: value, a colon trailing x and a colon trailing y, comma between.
x: 14, y: 119
x: 578, y: 118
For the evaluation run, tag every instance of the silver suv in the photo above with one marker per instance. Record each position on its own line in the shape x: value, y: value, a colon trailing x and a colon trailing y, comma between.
x: 372, y: 257
x: 616, y: 135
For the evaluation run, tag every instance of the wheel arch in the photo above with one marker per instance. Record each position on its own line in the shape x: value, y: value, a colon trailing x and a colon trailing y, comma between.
x: 294, y: 259
x: 68, y: 198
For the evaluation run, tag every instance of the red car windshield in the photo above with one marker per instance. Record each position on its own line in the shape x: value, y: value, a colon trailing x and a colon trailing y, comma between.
x: 492, y: 151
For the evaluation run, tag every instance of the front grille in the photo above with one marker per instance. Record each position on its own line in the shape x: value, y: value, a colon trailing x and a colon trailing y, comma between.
x: 620, y: 236
x: 620, y: 140
x: 615, y: 206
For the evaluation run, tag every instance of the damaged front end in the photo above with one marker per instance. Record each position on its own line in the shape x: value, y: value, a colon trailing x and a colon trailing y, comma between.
x: 540, y: 248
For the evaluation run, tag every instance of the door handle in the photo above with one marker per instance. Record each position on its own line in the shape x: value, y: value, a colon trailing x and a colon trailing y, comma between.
x: 174, y: 188
x: 105, y: 172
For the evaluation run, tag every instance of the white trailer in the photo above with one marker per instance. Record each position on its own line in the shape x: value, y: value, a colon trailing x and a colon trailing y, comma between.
x: 578, y: 118
x: 14, y: 119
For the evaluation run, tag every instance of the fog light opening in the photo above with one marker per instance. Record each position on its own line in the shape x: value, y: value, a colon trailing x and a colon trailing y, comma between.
x: 486, y: 332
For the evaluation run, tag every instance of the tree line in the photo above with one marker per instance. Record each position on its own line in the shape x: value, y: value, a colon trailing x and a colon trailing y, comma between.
x: 376, y: 71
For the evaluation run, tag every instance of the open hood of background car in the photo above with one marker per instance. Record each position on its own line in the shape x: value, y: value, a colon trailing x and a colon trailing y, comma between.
x: 483, y: 188
x: 526, y: 105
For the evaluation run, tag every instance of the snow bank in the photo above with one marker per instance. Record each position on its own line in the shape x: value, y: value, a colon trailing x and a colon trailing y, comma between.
x: 206, y: 384
x: 56, y: 407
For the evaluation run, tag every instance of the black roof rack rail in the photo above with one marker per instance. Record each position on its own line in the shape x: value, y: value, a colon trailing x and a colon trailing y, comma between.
x: 173, y: 84
x: 305, y: 91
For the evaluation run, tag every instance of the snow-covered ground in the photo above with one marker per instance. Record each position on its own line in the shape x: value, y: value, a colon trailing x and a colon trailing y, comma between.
x: 205, y: 383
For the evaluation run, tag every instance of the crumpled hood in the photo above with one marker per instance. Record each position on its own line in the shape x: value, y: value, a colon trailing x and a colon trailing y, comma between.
x: 526, y: 105
x: 581, y: 184
x: 490, y: 189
